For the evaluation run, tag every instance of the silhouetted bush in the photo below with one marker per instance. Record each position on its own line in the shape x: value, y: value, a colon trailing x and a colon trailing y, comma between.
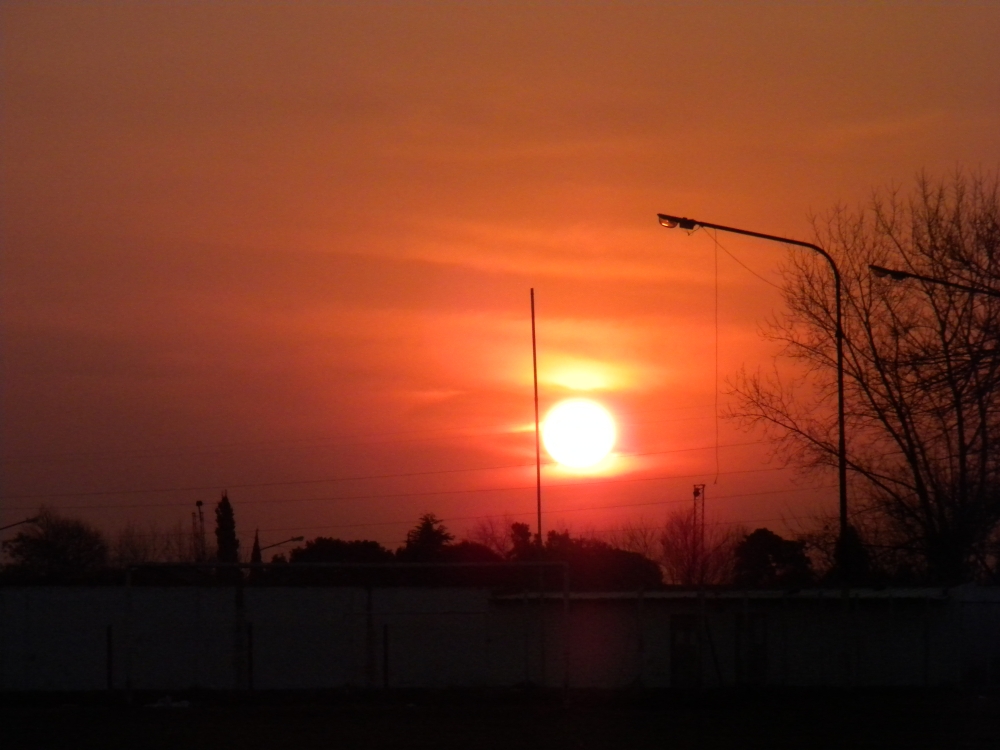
x: 766, y: 560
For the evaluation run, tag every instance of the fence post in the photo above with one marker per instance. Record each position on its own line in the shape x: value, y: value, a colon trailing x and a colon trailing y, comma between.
x: 927, y: 640
x: 640, y: 645
x: 371, y: 657
x: 110, y: 664
x: 239, y: 635
x: 250, y: 656
x: 566, y: 635
x: 385, y: 656
x: 129, y: 635
x: 527, y: 638
x: 542, y: 672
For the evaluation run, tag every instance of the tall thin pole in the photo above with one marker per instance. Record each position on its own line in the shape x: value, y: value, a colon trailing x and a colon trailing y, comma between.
x: 699, y: 529
x: 202, y: 547
x: 538, y: 444
x: 846, y: 564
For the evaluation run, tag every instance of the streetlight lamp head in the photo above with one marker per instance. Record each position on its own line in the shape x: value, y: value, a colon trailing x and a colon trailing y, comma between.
x: 673, y: 222
x: 887, y: 273
x: 296, y: 539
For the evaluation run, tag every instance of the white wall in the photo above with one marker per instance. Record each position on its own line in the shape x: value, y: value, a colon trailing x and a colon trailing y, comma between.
x: 178, y: 638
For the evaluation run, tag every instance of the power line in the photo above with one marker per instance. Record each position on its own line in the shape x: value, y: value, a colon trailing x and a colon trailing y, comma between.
x: 718, y: 244
x: 561, y: 510
x: 288, y: 483
x: 427, y: 493
x: 318, y: 440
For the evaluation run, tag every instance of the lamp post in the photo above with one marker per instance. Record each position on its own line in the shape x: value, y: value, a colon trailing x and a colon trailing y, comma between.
x: 675, y: 222
x: 12, y: 525
x: 897, y: 275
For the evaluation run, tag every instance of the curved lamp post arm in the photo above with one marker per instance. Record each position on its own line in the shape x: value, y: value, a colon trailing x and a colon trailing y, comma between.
x: 12, y: 525
x: 897, y: 275
x: 674, y: 222
x: 278, y: 544
x: 680, y: 222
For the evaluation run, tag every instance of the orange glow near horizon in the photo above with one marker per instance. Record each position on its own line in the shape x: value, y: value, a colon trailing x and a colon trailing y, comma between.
x: 286, y: 249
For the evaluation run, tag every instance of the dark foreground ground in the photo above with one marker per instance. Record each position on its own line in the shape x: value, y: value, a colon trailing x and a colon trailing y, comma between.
x: 507, y: 721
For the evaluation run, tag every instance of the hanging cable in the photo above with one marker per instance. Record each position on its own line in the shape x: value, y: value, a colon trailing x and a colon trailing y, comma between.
x: 715, y: 236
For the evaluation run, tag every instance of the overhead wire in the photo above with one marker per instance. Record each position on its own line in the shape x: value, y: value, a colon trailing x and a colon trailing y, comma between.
x: 392, y: 495
x: 614, y: 506
x: 326, y: 480
x: 319, y: 440
x: 742, y: 264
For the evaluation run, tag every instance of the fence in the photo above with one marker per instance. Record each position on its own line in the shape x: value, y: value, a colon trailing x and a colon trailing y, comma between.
x: 319, y: 637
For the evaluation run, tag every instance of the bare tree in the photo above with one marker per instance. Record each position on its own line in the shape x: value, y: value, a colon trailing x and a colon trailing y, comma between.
x: 58, y: 547
x: 494, y: 532
x: 135, y: 544
x: 132, y: 546
x: 922, y: 369
x: 639, y: 535
x: 691, y: 556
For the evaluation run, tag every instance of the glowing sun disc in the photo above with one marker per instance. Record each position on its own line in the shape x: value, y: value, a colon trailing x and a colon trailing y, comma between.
x: 578, y: 433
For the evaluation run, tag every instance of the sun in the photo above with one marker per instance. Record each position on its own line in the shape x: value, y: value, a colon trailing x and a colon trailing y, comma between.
x: 578, y: 433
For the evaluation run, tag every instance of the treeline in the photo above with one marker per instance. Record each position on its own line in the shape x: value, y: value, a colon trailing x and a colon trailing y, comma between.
x: 59, y: 550
x: 431, y: 555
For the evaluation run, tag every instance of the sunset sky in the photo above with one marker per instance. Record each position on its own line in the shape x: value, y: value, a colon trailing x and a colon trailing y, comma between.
x: 286, y: 249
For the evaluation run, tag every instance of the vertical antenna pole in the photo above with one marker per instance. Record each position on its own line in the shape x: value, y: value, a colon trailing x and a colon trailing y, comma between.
x: 699, y: 530
x: 538, y: 446
x: 202, y: 548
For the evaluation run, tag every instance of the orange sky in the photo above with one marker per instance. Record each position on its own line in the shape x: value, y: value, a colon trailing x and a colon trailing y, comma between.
x: 258, y: 246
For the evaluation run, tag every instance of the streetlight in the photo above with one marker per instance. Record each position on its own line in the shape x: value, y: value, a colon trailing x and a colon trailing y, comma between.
x: 12, y: 525
x: 278, y: 544
x: 675, y: 222
x: 897, y: 275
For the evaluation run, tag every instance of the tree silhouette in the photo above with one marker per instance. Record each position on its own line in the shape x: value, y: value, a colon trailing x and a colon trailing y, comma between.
x: 468, y: 551
x: 327, y: 550
x: 855, y: 561
x: 493, y: 532
x: 597, y: 566
x: 692, y: 556
x: 523, y: 545
x: 57, y: 547
x: 425, y: 542
x: 922, y: 372
x: 227, y: 545
x: 256, y: 557
x: 135, y: 544
x: 766, y: 560
x: 431, y: 542
x: 593, y: 564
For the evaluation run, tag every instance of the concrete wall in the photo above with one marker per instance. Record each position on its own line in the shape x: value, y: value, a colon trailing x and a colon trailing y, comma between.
x: 178, y: 638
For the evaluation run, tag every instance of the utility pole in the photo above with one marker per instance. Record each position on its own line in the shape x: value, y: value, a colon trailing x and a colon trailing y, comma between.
x: 200, y: 540
x: 538, y: 445
x: 698, y: 519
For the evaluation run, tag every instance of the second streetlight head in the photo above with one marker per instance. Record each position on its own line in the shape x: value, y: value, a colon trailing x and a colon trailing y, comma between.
x: 673, y: 222
x: 891, y: 273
